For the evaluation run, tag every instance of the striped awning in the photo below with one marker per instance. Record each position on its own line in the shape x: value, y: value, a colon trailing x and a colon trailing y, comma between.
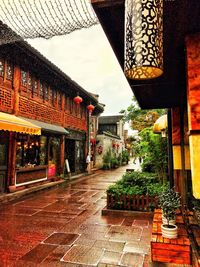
x: 12, y: 123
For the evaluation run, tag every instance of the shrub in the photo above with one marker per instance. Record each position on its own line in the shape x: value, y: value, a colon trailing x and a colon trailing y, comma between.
x: 137, y: 183
x: 125, y: 156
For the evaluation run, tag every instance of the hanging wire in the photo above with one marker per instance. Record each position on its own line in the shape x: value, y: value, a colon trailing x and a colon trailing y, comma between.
x: 43, y: 18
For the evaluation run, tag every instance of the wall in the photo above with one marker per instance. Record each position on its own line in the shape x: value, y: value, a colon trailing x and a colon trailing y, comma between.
x: 106, y: 142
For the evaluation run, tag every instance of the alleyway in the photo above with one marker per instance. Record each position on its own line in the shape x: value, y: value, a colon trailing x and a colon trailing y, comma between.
x: 64, y: 227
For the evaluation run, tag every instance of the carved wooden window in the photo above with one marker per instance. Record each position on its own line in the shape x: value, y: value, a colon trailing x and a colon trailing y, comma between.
x: 46, y: 92
x: 71, y: 105
x: 23, y: 78
x: 35, y: 87
x: 50, y: 96
x: 9, y: 71
x: 30, y: 83
x: 2, y: 68
x: 60, y: 100
x: 41, y: 91
x: 54, y: 97
x: 66, y: 103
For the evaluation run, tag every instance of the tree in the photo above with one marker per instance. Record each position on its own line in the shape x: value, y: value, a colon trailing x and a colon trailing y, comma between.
x: 153, y: 150
x: 141, y: 118
x: 149, y: 146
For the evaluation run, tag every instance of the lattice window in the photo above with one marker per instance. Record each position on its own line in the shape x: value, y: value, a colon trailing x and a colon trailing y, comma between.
x: 66, y: 103
x: 71, y: 105
x: 9, y: 71
x: 35, y: 87
x: 50, y: 95
x: 2, y: 67
x: 23, y: 78
x: 54, y: 97
x: 41, y: 91
x: 46, y: 92
x: 30, y: 83
x: 60, y: 100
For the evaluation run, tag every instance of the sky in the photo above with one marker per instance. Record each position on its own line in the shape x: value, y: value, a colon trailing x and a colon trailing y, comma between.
x: 87, y: 58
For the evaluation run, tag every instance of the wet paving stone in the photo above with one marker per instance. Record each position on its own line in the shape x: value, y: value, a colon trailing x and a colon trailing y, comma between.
x: 83, y: 255
x: 39, y: 253
x: 137, y: 247
x: 110, y: 245
x: 132, y: 260
x: 111, y: 257
x: 61, y: 239
x: 124, y: 233
x: 141, y: 223
x: 64, y: 227
x: 51, y: 214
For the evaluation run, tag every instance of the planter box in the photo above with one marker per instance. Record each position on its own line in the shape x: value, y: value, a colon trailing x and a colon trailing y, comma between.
x: 170, y: 250
x: 134, y: 202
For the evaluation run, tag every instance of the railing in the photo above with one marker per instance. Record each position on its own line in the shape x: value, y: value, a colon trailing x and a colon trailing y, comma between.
x: 132, y: 202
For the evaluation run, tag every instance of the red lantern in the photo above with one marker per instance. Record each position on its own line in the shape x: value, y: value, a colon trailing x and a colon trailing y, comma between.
x: 78, y: 99
x: 90, y: 108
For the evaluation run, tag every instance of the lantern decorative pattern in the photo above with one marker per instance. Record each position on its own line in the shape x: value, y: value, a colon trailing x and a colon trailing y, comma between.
x: 143, y: 39
x: 78, y: 99
x: 90, y: 108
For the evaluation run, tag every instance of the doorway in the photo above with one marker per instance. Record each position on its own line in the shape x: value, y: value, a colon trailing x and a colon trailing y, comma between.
x: 70, y: 153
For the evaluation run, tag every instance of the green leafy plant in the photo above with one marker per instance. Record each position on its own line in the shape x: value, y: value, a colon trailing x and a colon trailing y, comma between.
x: 169, y: 202
x: 137, y: 183
x: 125, y: 156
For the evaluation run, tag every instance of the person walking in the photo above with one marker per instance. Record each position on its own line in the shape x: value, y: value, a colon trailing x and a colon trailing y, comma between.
x: 88, y: 163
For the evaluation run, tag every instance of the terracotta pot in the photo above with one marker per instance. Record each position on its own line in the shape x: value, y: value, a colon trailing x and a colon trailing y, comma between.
x: 169, y: 231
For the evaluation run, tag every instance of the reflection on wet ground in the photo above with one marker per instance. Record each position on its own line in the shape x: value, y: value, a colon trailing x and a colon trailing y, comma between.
x: 64, y: 227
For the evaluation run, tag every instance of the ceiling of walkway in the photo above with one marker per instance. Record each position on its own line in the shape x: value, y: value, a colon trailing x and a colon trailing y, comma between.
x: 181, y: 18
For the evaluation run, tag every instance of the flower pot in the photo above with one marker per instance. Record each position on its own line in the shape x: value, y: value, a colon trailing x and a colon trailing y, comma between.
x: 171, y: 222
x: 169, y: 231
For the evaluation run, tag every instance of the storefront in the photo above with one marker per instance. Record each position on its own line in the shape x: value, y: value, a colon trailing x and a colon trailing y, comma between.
x: 75, y: 144
x: 30, y: 151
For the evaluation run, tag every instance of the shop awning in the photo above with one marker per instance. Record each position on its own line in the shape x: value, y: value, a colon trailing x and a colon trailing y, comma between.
x: 12, y: 123
x: 47, y: 127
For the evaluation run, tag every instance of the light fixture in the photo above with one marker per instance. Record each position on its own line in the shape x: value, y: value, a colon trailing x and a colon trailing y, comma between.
x: 90, y: 108
x: 143, y: 39
x: 78, y: 99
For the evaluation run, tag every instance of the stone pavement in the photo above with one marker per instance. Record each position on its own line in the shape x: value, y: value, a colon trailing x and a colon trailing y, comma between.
x: 64, y: 227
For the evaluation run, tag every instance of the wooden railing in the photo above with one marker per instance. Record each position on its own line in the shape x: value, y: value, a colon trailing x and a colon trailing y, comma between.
x: 132, y: 202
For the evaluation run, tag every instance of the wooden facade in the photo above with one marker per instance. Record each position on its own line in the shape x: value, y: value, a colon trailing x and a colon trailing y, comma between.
x: 33, y: 89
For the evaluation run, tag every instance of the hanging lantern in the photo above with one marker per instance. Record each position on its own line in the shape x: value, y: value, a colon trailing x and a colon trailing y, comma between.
x: 78, y: 99
x: 143, y: 39
x: 90, y: 108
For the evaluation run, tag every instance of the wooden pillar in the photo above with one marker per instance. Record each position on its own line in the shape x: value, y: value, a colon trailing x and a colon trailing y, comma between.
x: 16, y: 87
x: 193, y: 101
x: 181, y: 156
x: 11, y: 158
x: 62, y: 154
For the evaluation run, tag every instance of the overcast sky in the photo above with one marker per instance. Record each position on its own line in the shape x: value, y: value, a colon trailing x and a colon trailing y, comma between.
x: 87, y: 58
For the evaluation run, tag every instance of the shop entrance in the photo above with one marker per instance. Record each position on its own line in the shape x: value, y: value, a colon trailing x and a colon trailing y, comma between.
x: 70, y: 153
x: 74, y: 152
x: 3, y: 161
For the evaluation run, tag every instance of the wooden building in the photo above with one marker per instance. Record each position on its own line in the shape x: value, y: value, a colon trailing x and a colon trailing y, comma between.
x: 40, y: 124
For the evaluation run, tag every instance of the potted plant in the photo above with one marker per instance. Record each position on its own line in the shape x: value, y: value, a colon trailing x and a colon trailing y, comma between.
x: 169, y: 202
